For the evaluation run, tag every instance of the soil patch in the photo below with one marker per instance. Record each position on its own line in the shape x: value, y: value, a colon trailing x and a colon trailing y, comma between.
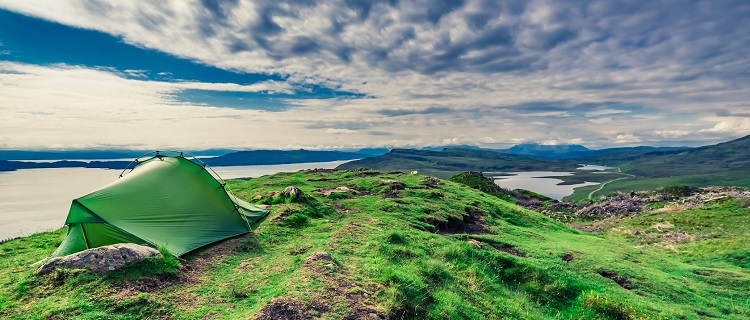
x: 338, y: 288
x: 320, y: 170
x: 509, y: 249
x: 620, y: 280
x: 393, y: 188
x: 282, y: 215
x: 472, y: 223
x: 431, y: 181
x: 366, y: 173
x: 190, y: 273
x: 568, y: 257
x: 281, y: 308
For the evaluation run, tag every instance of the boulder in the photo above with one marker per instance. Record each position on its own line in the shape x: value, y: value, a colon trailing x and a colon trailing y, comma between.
x: 102, y: 259
x: 292, y: 192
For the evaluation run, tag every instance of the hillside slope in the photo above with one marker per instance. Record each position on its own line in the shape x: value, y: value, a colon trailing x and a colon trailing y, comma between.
x: 727, y: 156
x: 372, y: 245
x: 723, y: 164
x: 448, y: 162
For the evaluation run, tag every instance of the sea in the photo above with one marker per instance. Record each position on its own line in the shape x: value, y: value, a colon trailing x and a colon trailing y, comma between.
x: 37, y: 200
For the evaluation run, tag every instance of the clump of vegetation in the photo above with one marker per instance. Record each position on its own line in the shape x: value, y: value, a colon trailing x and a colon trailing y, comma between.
x: 478, y: 181
x: 674, y: 192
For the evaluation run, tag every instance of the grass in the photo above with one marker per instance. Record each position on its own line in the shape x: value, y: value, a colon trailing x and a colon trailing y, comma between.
x: 400, y: 251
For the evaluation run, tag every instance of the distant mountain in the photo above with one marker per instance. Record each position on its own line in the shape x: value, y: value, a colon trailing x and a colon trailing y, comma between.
x: 17, y: 165
x: 67, y: 155
x: 459, y: 146
x: 373, y: 151
x: 535, y: 148
x: 450, y: 161
x: 573, y: 151
x: 237, y: 158
x: 258, y: 157
x: 93, y: 154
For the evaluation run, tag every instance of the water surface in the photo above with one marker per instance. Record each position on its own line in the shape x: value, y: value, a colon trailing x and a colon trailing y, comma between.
x: 539, y: 182
x: 37, y: 200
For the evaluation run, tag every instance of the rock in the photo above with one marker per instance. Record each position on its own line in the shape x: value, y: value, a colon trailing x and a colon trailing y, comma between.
x: 317, y: 256
x: 102, y: 259
x: 475, y: 243
x: 292, y: 192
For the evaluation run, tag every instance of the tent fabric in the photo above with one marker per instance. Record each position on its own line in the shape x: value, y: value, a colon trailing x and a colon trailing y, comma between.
x: 164, y: 201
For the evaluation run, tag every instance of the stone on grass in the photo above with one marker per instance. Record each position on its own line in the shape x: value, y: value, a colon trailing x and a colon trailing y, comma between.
x: 292, y: 192
x: 102, y: 259
x: 322, y: 255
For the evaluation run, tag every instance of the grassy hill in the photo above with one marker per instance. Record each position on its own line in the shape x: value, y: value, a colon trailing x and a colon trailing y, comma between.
x: 372, y: 245
x: 640, y: 168
x: 723, y: 164
x: 446, y: 163
x: 728, y: 156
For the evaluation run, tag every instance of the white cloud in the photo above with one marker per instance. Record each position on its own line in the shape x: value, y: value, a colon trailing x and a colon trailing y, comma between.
x: 672, y: 133
x: 477, y: 59
x: 733, y: 125
x: 627, y: 138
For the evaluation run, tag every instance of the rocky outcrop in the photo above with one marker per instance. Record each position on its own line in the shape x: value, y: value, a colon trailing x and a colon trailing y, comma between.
x: 620, y: 204
x: 102, y: 259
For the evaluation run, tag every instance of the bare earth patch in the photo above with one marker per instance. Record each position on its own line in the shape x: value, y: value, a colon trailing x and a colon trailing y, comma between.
x: 338, y: 289
x: 190, y: 273
x: 620, y: 280
x: 509, y: 249
x: 472, y: 223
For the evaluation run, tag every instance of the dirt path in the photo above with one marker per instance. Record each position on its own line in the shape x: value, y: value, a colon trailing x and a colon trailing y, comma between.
x: 604, y: 184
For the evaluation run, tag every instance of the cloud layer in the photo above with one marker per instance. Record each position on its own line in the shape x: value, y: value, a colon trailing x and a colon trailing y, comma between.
x: 601, y: 73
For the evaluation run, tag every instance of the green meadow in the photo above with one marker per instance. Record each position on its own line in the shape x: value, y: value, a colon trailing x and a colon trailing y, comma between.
x: 407, y: 246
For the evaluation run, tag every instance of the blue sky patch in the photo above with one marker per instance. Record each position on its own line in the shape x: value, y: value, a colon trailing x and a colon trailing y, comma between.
x: 36, y: 41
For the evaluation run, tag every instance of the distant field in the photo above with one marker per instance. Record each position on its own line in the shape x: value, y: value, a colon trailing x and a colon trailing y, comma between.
x: 728, y: 178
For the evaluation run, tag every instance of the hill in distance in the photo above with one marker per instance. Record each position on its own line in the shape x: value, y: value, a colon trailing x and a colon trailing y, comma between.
x: 236, y: 158
x: 642, y: 168
x: 262, y: 157
x: 373, y: 245
x: 723, y: 164
x: 448, y: 162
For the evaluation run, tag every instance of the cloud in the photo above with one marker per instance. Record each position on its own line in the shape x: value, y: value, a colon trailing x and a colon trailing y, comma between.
x: 627, y: 138
x: 735, y: 126
x: 672, y: 133
x: 606, y: 112
x: 379, y: 133
x: 403, y: 112
x: 431, y: 70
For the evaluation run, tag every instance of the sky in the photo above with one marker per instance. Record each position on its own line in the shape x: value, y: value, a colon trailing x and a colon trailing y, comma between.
x: 347, y: 74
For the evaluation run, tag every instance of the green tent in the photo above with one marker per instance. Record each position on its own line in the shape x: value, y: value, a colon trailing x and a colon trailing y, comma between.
x: 167, y: 201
